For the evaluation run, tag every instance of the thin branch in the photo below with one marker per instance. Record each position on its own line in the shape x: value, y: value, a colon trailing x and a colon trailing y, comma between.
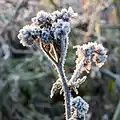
x: 20, y: 51
x: 109, y: 73
x: 60, y: 70
x: 67, y: 94
x: 116, y: 115
x: 108, y: 26
x: 76, y: 73
x: 94, y: 15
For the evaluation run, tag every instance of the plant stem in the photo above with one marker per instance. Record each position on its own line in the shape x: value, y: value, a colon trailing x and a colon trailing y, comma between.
x: 76, y: 73
x: 67, y: 94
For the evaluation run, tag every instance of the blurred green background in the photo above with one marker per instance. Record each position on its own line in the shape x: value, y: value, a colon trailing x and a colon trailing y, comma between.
x: 26, y: 75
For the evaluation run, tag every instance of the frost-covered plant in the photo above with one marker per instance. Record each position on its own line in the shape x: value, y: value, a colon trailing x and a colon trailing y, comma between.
x: 51, y: 32
x: 79, y: 108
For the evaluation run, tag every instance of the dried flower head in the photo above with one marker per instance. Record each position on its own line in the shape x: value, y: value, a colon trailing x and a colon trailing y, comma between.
x: 92, y: 53
x: 79, y: 107
x: 61, y: 28
x: 42, y: 16
x: 47, y: 26
x: 64, y: 14
x: 28, y: 34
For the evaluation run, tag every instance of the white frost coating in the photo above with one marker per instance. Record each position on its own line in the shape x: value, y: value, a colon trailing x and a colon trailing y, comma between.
x: 58, y: 23
x: 64, y: 14
x: 26, y: 33
x: 80, y: 107
x: 28, y: 30
x: 76, y: 84
x: 41, y: 16
x: 61, y: 28
x: 92, y: 53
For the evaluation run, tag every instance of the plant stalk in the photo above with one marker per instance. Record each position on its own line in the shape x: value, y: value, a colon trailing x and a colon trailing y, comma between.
x: 67, y: 94
x: 76, y: 73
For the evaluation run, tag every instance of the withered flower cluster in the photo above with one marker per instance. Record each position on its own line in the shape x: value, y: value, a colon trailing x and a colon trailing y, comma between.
x: 47, y: 29
x: 92, y: 53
